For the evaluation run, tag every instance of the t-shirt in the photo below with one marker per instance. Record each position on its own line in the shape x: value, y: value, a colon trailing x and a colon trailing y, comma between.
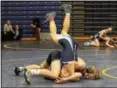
x: 17, y: 32
x: 7, y: 28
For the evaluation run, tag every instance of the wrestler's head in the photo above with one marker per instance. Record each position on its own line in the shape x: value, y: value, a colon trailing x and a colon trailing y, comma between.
x: 109, y: 30
x: 92, y: 73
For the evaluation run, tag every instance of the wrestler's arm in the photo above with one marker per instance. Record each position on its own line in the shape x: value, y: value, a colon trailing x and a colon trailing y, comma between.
x: 74, y: 76
x: 107, y: 44
x: 102, y: 33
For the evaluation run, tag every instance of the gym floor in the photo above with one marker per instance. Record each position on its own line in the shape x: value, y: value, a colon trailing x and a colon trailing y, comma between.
x: 26, y: 53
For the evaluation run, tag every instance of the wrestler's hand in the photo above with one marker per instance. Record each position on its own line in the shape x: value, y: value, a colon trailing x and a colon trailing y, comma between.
x: 60, y: 80
x: 107, y: 38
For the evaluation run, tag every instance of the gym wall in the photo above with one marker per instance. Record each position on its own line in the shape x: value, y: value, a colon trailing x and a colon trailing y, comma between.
x: 87, y: 17
x: 22, y: 13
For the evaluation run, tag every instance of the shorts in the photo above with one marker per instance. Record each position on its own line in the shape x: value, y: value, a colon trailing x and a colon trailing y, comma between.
x: 55, y: 55
x: 101, y: 40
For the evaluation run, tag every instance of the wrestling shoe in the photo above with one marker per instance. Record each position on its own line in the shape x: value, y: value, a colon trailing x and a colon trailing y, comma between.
x: 27, y: 76
x: 86, y: 44
x: 49, y: 16
x: 67, y: 8
x: 17, y: 71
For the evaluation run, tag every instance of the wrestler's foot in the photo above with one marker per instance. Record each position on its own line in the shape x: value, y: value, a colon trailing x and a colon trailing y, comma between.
x: 67, y: 8
x: 17, y: 71
x: 86, y: 44
x: 27, y: 76
x: 49, y: 16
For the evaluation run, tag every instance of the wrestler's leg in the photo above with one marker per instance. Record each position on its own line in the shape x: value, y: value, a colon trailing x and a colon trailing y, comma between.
x: 41, y: 66
x: 44, y: 64
x: 53, y: 61
x: 52, y: 26
x: 66, y: 23
x: 19, y: 70
x: 96, y: 43
x: 92, y: 43
x: 53, y: 73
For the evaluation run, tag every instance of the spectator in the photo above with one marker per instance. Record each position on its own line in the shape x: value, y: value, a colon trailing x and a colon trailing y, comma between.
x: 18, y: 32
x: 36, y: 25
x: 8, y: 31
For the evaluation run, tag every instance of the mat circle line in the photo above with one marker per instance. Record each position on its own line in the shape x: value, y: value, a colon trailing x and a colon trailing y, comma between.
x: 8, y: 47
x: 104, y: 72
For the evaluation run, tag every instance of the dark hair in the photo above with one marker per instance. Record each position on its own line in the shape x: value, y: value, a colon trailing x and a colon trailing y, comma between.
x: 36, y: 21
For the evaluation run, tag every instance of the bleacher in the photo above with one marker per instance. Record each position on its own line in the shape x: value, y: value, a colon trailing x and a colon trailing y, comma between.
x: 100, y: 15
x: 22, y: 13
x: 87, y: 17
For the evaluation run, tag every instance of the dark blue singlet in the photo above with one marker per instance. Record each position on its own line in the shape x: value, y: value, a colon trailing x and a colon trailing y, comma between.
x: 69, y: 51
x: 96, y: 36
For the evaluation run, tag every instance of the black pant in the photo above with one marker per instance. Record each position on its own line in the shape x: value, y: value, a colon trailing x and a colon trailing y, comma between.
x: 18, y: 37
x: 8, y: 36
x: 55, y: 55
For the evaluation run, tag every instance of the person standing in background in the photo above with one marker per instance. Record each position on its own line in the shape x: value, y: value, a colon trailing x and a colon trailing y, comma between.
x: 18, y: 32
x: 36, y: 24
x: 8, y: 31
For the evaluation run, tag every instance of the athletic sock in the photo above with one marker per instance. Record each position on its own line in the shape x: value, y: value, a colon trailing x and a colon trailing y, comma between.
x: 88, y: 43
x: 51, y: 19
x: 35, y: 72
x: 67, y: 15
x: 21, y: 69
